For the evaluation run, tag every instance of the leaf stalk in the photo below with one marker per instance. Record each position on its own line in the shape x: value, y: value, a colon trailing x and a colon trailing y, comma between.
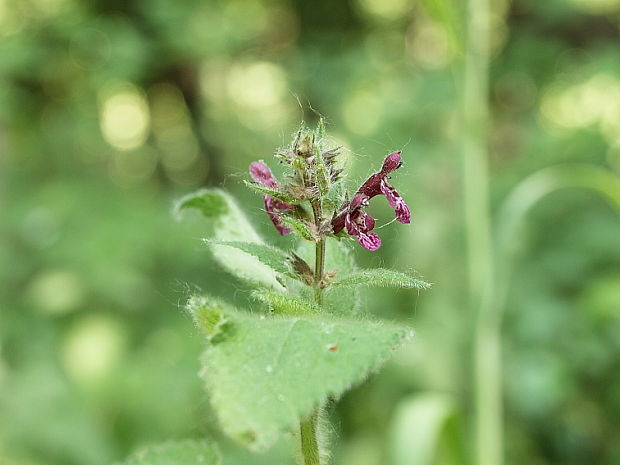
x: 309, y: 440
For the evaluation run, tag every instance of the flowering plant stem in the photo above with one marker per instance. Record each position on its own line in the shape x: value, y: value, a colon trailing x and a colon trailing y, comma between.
x: 308, y: 427
x: 319, y: 262
x: 259, y: 364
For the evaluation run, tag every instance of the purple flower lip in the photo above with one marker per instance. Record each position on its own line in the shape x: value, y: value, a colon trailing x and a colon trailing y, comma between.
x: 261, y: 173
x: 391, y: 163
x: 357, y: 221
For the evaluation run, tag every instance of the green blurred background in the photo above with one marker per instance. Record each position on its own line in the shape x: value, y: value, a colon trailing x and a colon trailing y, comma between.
x: 109, y: 110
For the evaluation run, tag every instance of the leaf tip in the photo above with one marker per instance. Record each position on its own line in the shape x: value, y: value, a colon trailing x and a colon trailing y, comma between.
x: 209, y: 316
x: 210, y: 202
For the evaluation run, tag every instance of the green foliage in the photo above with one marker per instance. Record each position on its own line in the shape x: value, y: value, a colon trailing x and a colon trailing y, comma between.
x: 187, y: 452
x: 299, y: 227
x: 380, y: 277
x: 208, y: 314
x: 274, y: 258
x: 211, y: 203
x: 268, y: 373
x: 285, y: 305
x: 283, y: 196
x: 231, y: 225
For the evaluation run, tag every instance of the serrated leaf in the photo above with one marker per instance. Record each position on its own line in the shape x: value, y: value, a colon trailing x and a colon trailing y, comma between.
x: 274, y: 258
x: 177, y: 453
x: 299, y: 227
x: 284, y: 197
x: 286, y: 305
x: 230, y: 224
x: 268, y: 373
x: 380, y: 277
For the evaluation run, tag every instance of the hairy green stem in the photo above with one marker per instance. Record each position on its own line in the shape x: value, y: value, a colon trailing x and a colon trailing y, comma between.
x: 310, y: 448
x: 309, y: 440
x: 319, y: 262
x: 319, y: 271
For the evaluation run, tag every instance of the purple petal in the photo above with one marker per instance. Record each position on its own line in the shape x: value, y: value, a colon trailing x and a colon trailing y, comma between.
x: 369, y: 223
x: 338, y: 223
x: 358, y: 221
x: 372, y: 186
x: 391, y: 163
x: 348, y: 223
x: 274, y: 209
x: 370, y: 241
x: 403, y: 214
x: 360, y: 200
x: 261, y: 173
x: 358, y: 224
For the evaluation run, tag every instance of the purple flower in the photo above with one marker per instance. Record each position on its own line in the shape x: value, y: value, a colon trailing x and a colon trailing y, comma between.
x: 354, y: 218
x: 261, y: 173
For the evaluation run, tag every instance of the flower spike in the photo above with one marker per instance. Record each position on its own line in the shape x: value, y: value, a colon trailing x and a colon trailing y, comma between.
x: 357, y: 221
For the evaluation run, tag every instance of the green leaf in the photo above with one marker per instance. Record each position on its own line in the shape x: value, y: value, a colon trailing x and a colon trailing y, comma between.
x: 274, y: 258
x: 210, y: 203
x: 187, y: 452
x: 230, y: 224
x: 270, y: 372
x: 299, y: 227
x: 382, y: 278
x: 284, y: 197
x: 285, y: 305
x: 208, y: 314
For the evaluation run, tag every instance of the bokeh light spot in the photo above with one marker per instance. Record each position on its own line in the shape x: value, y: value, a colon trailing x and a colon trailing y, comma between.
x: 257, y: 90
x: 92, y: 348
x: 56, y: 292
x: 256, y: 85
x: 384, y: 9
x: 597, y: 7
x: 427, y: 43
x: 595, y: 101
x: 124, y: 117
x: 245, y: 18
x: 10, y: 19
